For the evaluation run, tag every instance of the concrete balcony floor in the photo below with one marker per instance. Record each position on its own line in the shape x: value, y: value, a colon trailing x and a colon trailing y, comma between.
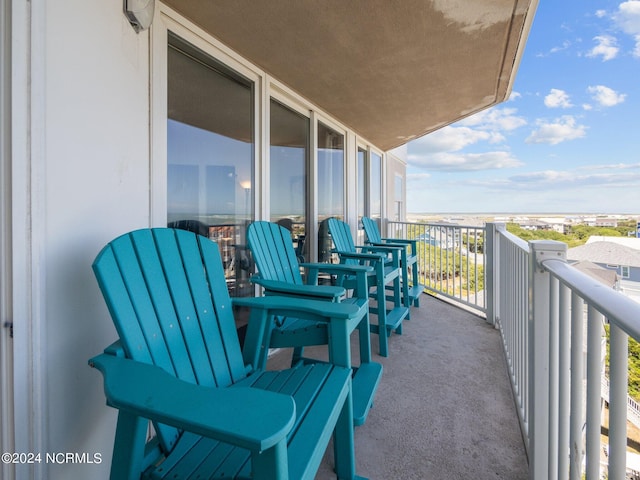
x: 444, y: 408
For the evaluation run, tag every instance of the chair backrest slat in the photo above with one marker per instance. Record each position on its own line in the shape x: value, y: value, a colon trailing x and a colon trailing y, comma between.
x: 121, y: 302
x: 165, y: 283
x: 224, y: 325
x: 342, y: 239
x: 182, y: 265
x: 371, y: 230
x: 273, y: 252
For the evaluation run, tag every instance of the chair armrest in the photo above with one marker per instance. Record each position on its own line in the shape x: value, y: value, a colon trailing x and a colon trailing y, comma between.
x: 337, y: 268
x: 383, y: 247
x: 341, y: 319
x: 396, y: 252
x: 341, y: 271
x: 375, y: 257
x: 327, y: 292
x: 399, y: 241
x: 299, y: 307
x: 116, y: 349
x: 412, y: 244
x: 249, y: 418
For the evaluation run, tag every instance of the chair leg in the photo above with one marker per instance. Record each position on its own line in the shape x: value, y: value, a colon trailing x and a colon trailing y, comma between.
x: 271, y: 463
x: 382, y: 317
x: 364, y: 337
x: 128, y: 452
x: 416, y: 281
x: 296, y: 359
x: 397, y: 301
x: 405, y: 283
x: 344, y: 443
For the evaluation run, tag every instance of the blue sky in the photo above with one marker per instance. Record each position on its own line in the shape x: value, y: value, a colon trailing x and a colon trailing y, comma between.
x: 568, y: 138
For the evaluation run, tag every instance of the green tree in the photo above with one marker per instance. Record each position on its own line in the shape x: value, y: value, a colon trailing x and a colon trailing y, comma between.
x: 575, y: 235
x: 449, y: 270
x: 634, y: 365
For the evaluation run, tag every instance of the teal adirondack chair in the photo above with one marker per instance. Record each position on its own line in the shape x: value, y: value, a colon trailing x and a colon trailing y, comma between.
x: 178, y: 364
x: 279, y: 274
x: 386, y: 273
x: 408, y: 260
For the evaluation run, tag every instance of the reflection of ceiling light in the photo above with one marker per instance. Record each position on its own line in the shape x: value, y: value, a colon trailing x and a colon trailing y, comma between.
x: 139, y: 13
x: 246, y: 184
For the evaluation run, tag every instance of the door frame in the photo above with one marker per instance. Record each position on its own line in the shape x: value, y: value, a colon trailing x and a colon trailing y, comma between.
x: 7, y: 431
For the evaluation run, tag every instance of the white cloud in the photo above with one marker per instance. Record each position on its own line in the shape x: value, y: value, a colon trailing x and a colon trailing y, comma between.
x: 607, y: 47
x: 495, y: 119
x: 586, y: 188
x: 441, y: 150
x: 557, y: 131
x: 564, y: 46
x: 612, y: 166
x: 557, y: 99
x: 550, y: 180
x: 571, y: 179
x: 601, y: 13
x: 447, y: 139
x: 514, y: 96
x: 605, y: 96
x: 417, y: 177
x: 456, y: 162
x: 587, y: 106
x: 546, y: 176
x: 628, y: 19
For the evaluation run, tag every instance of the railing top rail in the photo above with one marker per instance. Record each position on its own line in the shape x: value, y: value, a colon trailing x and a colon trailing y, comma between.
x: 437, y: 224
x: 517, y: 241
x: 618, y: 308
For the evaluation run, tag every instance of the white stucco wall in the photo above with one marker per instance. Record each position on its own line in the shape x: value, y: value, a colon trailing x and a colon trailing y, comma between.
x: 90, y: 180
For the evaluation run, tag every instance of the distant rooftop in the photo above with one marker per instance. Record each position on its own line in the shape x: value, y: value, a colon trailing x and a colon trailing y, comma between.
x: 610, y: 253
x: 629, y: 242
x: 603, y: 275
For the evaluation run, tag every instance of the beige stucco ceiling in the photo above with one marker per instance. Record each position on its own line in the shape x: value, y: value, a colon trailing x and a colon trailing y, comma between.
x: 392, y: 70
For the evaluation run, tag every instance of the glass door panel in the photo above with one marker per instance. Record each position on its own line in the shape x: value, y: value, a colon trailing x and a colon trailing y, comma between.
x: 330, y: 185
x: 362, y: 192
x: 210, y: 151
x: 375, y: 187
x: 289, y: 159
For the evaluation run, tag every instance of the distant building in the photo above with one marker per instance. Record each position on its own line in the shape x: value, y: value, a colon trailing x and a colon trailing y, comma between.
x: 601, y: 221
x: 557, y: 224
x: 534, y: 225
x: 623, y: 260
x: 606, y: 222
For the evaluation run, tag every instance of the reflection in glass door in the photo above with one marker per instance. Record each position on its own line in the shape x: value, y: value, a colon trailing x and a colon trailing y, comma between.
x: 362, y: 193
x: 289, y: 160
x: 330, y: 185
x: 210, y: 151
x: 375, y: 187
x: 369, y: 187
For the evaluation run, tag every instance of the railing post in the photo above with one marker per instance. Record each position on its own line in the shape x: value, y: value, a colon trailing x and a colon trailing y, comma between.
x: 491, y: 277
x: 619, y: 344
x: 539, y: 356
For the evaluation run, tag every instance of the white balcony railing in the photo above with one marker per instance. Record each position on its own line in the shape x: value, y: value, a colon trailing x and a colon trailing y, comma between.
x: 551, y: 318
x: 451, y: 259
